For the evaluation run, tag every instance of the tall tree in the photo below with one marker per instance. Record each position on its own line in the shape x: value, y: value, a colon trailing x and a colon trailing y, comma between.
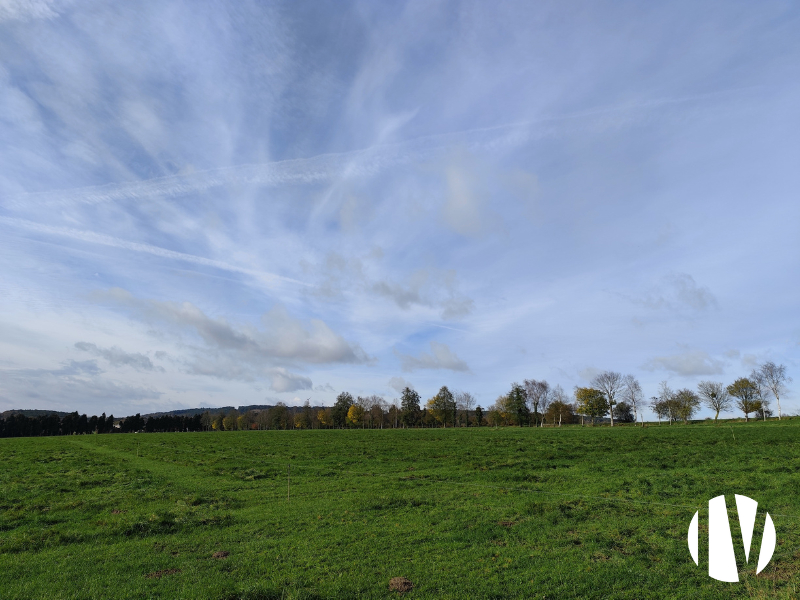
x: 304, y: 420
x: 623, y: 413
x: 443, y: 406
x: 340, y: 408
x: 774, y: 379
x: 478, y: 415
x: 377, y: 411
x: 409, y: 407
x: 324, y: 418
x: 611, y: 384
x: 518, y: 405
x: 560, y: 411
x: 686, y: 404
x: 632, y: 394
x: 538, y: 393
x: 205, y: 419
x: 746, y: 394
x: 355, y: 414
x: 591, y: 402
x: 714, y: 396
x: 231, y: 420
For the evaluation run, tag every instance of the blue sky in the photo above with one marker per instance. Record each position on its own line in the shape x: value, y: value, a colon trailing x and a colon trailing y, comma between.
x: 211, y: 203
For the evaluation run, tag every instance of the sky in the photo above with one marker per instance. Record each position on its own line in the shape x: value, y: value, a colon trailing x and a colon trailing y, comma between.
x: 229, y: 203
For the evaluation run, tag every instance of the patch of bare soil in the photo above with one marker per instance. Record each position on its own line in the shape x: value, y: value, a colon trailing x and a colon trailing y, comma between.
x: 781, y: 570
x: 160, y: 574
x: 220, y: 554
x: 400, y: 584
x: 507, y: 523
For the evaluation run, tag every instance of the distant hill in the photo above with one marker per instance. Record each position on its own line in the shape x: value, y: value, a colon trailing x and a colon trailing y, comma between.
x: 190, y: 412
x: 31, y: 413
x: 182, y: 412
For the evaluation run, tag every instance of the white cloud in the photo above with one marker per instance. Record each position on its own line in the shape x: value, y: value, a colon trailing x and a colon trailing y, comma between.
x: 398, y: 384
x: 284, y: 381
x: 429, y: 288
x: 441, y: 357
x: 282, y: 337
x: 76, y: 383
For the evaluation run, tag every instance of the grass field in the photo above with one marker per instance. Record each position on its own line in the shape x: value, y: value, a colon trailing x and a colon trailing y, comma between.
x: 465, y: 513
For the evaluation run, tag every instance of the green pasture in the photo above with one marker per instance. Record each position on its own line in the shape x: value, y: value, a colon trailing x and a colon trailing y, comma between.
x: 571, y: 512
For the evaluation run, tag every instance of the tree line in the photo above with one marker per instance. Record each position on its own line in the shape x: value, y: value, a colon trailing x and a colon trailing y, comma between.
x: 19, y: 425
x: 610, y: 396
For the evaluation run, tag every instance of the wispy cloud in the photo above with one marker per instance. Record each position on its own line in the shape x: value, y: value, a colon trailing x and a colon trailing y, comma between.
x: 282, y: 337
x: 76, y: 383
x: 688, y: 363
x: 106, y: 240
x: 117, y: 357
x: 24, y: 10
x: 678, y: 291
x: 291, y: 198
x: 398, y: 384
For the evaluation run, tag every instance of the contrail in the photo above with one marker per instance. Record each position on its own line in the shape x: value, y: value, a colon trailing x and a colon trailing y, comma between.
x: 107, y: 240
x: 359, y: 163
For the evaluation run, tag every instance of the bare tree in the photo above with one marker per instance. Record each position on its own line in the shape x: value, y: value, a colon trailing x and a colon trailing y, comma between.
x: 762, y: 390
x: 544, y: 403
x: 365, y: 404
x: 666, y: 401
x: 559, y: 395
x: 632, y: 394
x: 715, y: 397
x: 465, y: 402
x: 538, y: 396
x: 377, y: 410
x: 774, y: 379
x: 659, y: 407
x: 394, y: 412
x: 560, y: 409
x: 611, y: 384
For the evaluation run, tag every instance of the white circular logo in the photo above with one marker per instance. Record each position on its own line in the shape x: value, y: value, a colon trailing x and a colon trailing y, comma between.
x: 721, y: 557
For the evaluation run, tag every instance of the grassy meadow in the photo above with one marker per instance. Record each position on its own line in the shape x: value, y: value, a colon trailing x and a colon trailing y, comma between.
x: 574, y: 512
